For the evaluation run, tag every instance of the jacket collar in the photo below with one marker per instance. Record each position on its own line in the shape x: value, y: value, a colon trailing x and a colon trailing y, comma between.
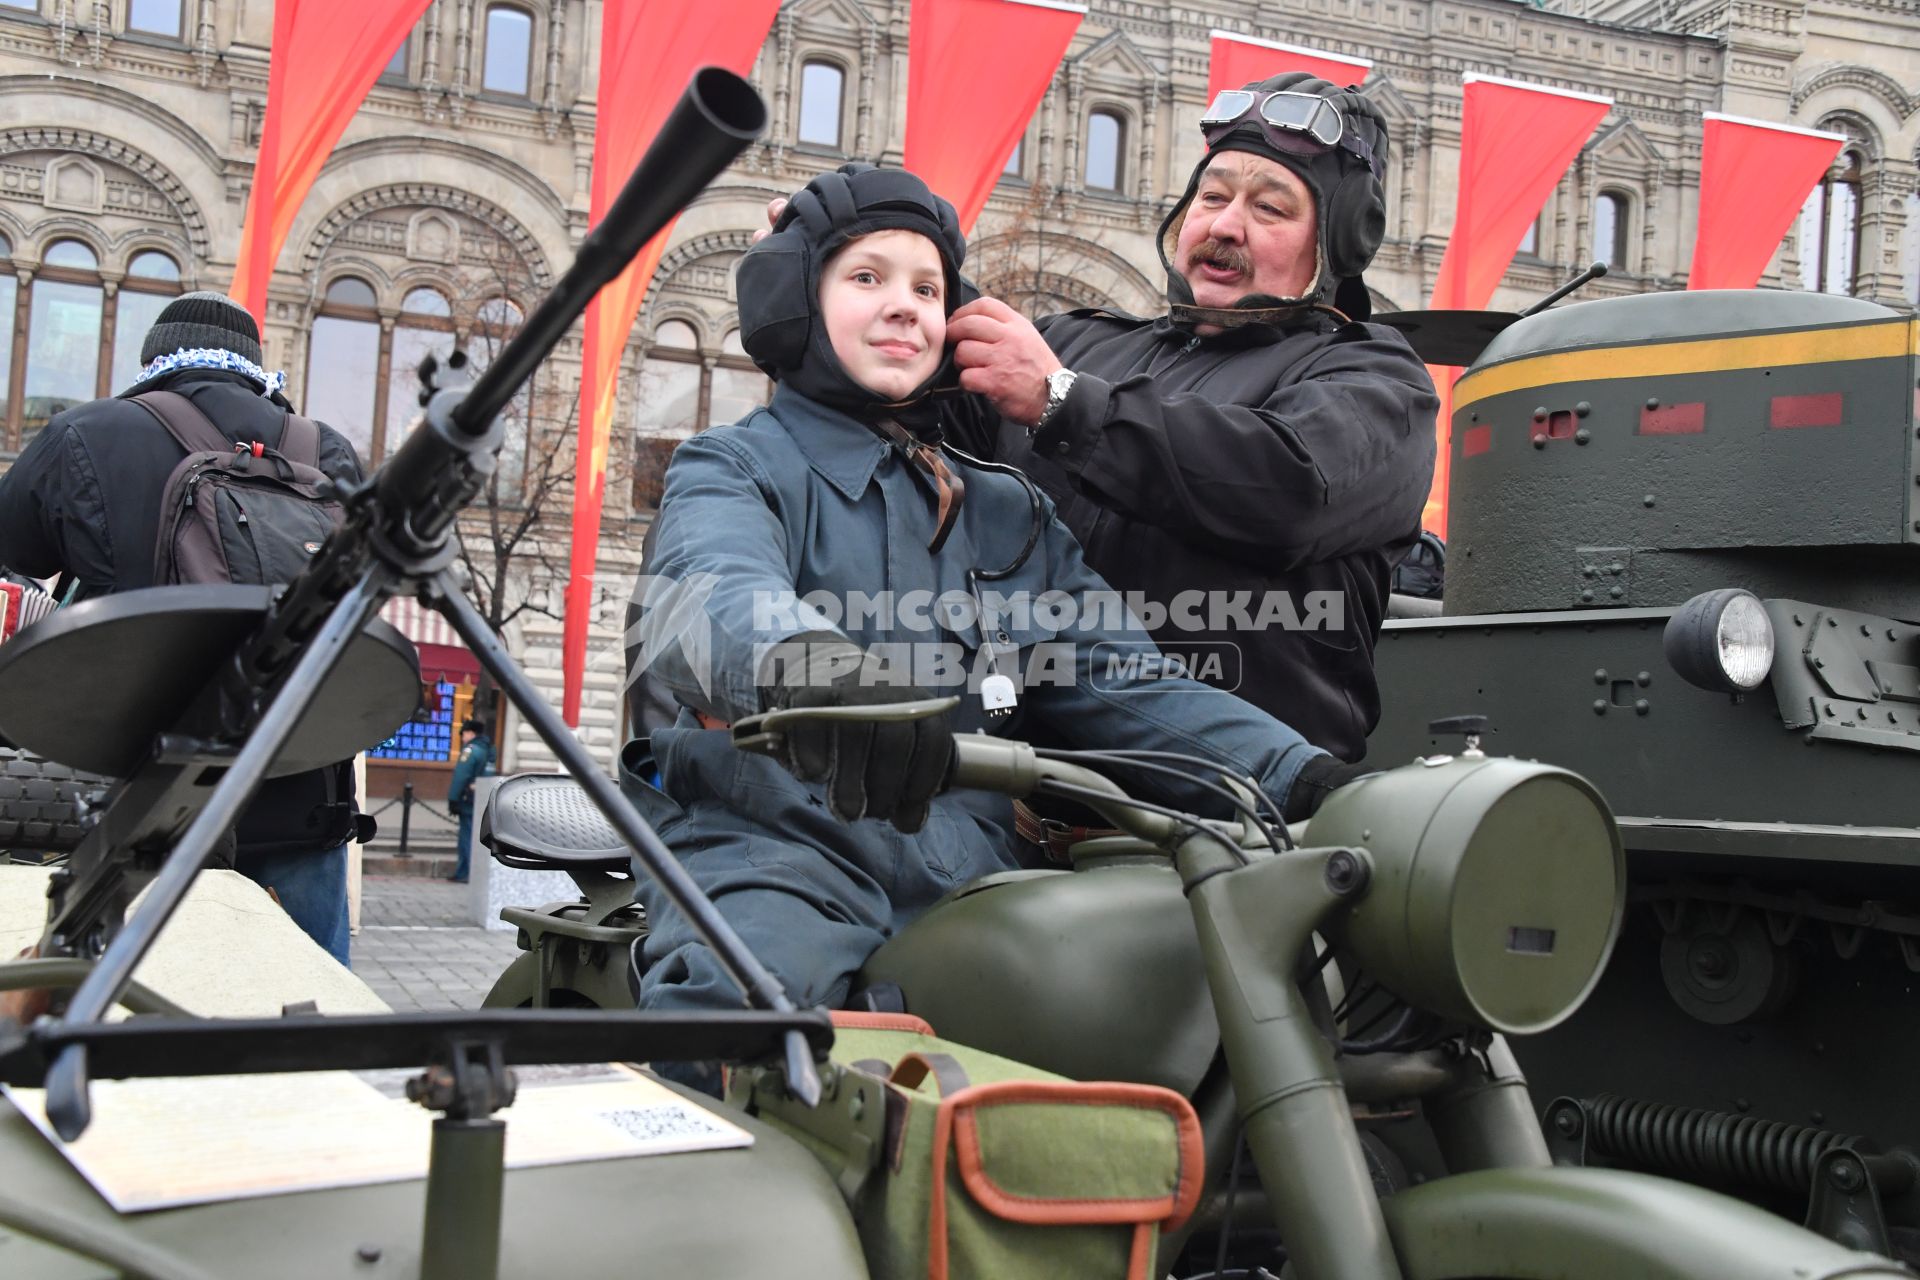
x: 842, y: 449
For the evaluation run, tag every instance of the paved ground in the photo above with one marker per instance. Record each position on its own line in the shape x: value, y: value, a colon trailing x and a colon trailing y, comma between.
x: 415, y: 953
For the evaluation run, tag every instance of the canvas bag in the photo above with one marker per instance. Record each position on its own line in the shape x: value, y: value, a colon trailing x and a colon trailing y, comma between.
x: 237, y: 512
x: 993, y: 1169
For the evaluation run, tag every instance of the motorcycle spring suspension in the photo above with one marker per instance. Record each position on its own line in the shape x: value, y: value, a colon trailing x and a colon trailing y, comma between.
x: 1708, y: 1146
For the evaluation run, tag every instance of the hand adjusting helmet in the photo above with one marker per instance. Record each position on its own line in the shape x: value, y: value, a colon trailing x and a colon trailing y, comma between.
x: 1335, y: 141
x: 778, y: 283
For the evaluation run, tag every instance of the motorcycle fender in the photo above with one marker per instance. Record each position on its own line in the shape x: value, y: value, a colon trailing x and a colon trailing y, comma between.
x: 1600, y: 1224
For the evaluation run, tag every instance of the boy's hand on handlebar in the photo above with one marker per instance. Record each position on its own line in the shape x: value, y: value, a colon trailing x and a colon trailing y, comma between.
x: 871, y: 769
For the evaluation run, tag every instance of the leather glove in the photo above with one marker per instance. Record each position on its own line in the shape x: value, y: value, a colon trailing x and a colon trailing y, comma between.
x: 871, y: 770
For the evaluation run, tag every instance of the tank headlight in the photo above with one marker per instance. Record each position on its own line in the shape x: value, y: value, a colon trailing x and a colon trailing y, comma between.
x: 1721, y: 641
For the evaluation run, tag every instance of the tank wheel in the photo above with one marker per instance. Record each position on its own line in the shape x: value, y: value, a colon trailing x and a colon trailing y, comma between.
x: 1723, y: 971
x: 44, y: 807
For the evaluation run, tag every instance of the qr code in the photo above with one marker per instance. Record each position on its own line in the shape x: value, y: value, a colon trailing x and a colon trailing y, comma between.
x: 666, y: 1122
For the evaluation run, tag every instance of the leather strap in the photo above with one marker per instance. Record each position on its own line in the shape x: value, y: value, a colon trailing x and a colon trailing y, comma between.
x: 1052, y: 836
x: 948, y: 1075
x: 949, y: 489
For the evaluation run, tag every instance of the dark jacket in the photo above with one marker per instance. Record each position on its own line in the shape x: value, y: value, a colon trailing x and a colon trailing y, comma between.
x: 476, y: 762
x: 83, y: 502
x: 1257, y: 468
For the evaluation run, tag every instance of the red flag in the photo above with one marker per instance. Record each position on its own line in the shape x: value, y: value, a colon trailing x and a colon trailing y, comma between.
x: 976, y: 70
x: 649, y: 50
x: 1754, y: 177
x: 1516, y: 140
x: 326, y: 54
x: 1235, y: 60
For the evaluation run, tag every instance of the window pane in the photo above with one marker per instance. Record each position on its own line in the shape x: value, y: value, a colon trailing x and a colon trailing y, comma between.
x: 136, y: 314
x: 495, y: 320
x: 426, y: 302
x: 410, y: 347
x: 31, y: 6
x: 160, y: 17
x: 1103, y: 152
x: 351, y: 291
x: 509, y: 47
x: 1530, y: 242
x: 71, y: 253
x: 9, y: 294
x: 397, y: 64
x: 6, y: 247
x: 1810, y: 249
x: 677, y: 334
x: 820, y: 103
x: 1841, y: 233
x: 343, y: 362
x: 667, y: 401
x: 63, y: 350
x: 1912, y: 254
x: 153, y: 266
x: 736, y: 393
x: 730, y: 345
x: 1606, y: 230
x: 1013, y: 161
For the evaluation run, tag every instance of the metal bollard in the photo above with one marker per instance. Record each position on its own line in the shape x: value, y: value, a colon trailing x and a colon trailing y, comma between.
x: 406, y: 814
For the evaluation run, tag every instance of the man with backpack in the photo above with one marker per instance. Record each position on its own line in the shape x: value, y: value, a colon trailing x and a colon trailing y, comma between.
x: 200, y: 472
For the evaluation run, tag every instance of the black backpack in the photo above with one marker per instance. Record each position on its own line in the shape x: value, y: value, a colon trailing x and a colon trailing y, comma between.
x: 239, y: 512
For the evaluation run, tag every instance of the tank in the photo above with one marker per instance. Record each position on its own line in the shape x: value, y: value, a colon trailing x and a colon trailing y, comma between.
x: 1685, y: 563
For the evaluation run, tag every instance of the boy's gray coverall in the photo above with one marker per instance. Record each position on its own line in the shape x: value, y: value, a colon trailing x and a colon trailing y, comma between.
x: 800, y: 498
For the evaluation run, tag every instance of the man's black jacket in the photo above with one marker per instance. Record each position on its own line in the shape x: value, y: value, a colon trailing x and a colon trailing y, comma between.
x: 1242, y: 465
x: 83, y: 502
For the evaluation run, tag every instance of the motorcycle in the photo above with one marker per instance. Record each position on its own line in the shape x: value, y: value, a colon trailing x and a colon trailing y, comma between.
x: 1336, y: 996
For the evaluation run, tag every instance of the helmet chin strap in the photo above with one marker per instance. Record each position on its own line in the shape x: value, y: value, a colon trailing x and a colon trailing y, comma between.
x: 1260, y: 308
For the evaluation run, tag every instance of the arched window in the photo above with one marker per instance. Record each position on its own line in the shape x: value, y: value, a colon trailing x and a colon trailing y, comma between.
x: 66, y: 319
x: 683, y: 390
x: 1610, y: 230
x: 821, y: 90
x: 343, y: 363
x: 1830, y: 229
x: 153, y: 280
x: 1105, y: 134
x: 425, y: 328
x: 154, y: 17
x: 508, y: 64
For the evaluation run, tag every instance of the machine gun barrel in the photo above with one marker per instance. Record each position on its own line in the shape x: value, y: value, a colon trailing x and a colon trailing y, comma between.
x: 1593, y: 272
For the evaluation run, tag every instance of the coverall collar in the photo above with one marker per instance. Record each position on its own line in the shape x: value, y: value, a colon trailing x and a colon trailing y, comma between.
x: 842, y: 449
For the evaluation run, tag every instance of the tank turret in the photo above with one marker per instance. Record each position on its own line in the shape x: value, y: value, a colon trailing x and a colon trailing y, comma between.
x: 1636, y: 451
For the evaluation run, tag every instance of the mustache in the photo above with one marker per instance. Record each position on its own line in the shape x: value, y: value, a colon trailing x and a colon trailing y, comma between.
x: 1218, y: 253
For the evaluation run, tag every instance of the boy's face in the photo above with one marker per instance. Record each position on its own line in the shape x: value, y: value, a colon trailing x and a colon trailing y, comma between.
x: 883, y: 298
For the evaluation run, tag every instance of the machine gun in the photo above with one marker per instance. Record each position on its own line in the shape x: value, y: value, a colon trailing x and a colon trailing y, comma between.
x: 303, y: 676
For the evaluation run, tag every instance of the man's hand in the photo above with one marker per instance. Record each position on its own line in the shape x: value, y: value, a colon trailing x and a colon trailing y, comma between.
x: 1002, y: 357
x: 775, y: 207
x: 24, y: 1006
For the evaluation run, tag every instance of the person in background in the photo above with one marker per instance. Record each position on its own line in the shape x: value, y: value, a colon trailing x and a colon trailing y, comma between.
x: 476, y: 762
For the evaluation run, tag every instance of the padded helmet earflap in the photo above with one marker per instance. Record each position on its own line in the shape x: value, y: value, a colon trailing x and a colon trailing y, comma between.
x: 776, y: 300
x: 1354, y: 219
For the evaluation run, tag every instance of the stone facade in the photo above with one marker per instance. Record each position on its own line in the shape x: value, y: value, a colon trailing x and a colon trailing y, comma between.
x: 134, y: 142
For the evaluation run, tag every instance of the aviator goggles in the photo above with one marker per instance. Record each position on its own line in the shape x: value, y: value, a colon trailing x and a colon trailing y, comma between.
x: 1301, y: 124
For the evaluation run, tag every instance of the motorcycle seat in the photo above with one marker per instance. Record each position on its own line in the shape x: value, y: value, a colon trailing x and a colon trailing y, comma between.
x: 545, y: 822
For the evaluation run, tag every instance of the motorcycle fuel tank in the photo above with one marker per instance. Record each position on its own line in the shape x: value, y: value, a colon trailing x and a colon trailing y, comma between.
x: 1093, y: 974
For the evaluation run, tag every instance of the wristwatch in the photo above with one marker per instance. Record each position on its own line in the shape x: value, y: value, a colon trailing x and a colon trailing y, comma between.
x: 1059, y: 382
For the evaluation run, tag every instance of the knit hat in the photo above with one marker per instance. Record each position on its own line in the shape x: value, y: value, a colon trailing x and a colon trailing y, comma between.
x: 204, y: 319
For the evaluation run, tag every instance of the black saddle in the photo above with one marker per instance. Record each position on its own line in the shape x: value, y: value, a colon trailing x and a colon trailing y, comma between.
x: 545, y: 822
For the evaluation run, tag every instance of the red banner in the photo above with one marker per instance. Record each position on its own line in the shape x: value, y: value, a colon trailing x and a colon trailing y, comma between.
x: 1516, y: 140
x: 1234, y: 60
x: 326, y: 54
x: 1754, y: 177
x: 649, y: 50
x: 976, y: 71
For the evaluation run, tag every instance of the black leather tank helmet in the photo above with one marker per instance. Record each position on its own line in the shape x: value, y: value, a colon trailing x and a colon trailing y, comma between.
x: 778, y: 282
x: 1348, y: 197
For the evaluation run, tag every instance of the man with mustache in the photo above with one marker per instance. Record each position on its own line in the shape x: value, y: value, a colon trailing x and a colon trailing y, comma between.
x: 1260, y: 441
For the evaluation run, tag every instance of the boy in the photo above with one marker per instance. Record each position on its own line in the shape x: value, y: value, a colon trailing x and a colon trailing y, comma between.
x: 825, y: 551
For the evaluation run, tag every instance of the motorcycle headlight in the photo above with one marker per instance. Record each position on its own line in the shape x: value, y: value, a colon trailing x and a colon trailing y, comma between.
x: 1497, y: 889
x: 1721, y: 641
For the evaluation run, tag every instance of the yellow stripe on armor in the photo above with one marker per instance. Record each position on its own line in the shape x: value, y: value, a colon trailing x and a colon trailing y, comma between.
x: 1880, y: 340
